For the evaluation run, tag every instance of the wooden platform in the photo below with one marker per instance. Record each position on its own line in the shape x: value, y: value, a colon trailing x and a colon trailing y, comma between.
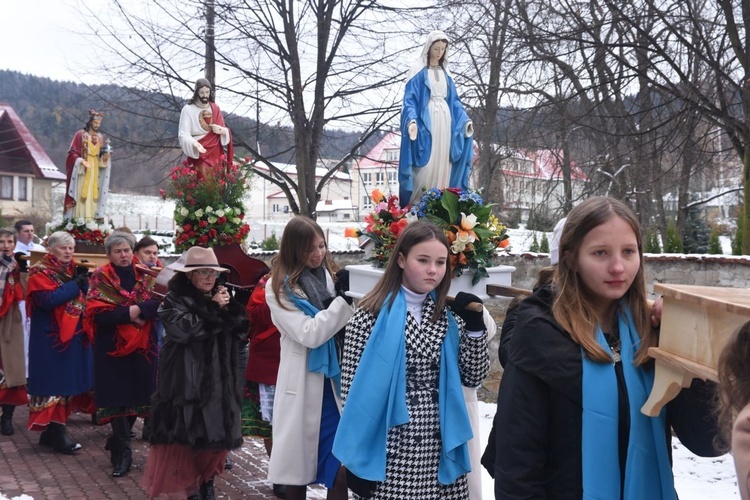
x: 696, y: 324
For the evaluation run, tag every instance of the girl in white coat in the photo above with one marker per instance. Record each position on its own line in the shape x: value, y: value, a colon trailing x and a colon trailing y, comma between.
x: 308, y: 311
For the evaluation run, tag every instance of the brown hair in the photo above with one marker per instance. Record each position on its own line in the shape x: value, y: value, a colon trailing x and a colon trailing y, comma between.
x: 442, y: 58
x: 573, y: 307
x: 289, y: 263
x: 734, y: 383
x: 414, y: 234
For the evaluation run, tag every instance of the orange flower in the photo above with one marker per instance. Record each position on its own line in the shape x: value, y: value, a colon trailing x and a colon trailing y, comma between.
x: 504, y: 243
x: 377, y: 195
x: 351, y: 232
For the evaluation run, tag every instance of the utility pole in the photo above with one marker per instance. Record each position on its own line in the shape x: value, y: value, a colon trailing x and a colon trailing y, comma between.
x: 210, y: 47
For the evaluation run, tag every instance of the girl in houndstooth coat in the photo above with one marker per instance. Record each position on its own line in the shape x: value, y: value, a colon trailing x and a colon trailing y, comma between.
x: 404, y: 425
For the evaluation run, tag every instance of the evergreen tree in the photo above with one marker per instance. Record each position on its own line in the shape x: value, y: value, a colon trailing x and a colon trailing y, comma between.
x: 544, y: 245
x: 714, y: 246
x: 737, y: 241
x: 652, y: 241
x: 673, y: 243
x: 696, y: 234
x: 270, y: 243
x: 534, y: 247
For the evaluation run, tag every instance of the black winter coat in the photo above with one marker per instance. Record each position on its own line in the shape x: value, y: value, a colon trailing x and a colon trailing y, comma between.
x: 539, y: 412
x: 198, y: 398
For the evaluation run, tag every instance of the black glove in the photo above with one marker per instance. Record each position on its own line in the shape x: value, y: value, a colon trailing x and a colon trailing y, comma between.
x: 359, y: 486
x: 82, y: 280
x: 474, y: 320
x: 342, y: 282
x: 23, y: 263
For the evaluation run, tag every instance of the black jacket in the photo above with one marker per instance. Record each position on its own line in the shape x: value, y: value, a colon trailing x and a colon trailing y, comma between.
x: 198, y: 397
x: 539, y: 414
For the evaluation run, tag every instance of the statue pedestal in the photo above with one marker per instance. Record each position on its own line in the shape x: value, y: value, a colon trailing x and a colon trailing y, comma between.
x: 362, y: 279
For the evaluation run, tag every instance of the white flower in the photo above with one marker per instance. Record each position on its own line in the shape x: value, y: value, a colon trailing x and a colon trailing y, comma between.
x: 184, y: 211
x: 462, y: 239
x: 212, y: 220
x: 468, y: 221
x: 80, y: 221
x: 179, y: 229
x: 228, y: 211
x: 199, y: 213
x: 411, y: 217
x: 91, y: 226
x: 236, y: 220
x: 69, y: 226
x: 209, y: 210
x: 219, y: 213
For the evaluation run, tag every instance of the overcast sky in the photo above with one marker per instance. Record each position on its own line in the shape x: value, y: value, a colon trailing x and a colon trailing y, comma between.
x: 42, y: 37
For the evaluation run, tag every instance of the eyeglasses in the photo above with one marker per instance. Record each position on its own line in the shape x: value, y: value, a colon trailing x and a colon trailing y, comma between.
x: 207, y: 272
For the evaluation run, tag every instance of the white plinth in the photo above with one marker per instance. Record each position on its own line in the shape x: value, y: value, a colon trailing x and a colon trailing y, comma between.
x: 363, y: 278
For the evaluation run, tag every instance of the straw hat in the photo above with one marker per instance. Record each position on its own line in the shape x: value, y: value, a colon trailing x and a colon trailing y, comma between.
x: 197, y: 258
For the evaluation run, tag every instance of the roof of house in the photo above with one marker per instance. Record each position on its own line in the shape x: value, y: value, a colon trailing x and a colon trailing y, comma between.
x: 545, y: 164
x: 375, y: 158
x: 20, y: 152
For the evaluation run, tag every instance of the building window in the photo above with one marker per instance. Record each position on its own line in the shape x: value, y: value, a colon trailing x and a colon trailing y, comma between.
x: 276, y: 208
x: 379, y: 178
x: 367, y: 179
x: 22, y: 189
x: 366, y: 202
x: 391, y: 155
x: 6, y: 187
x: 392, y: 177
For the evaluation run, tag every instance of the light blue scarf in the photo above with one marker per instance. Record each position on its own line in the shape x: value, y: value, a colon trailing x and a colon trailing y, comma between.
x: 647, y: 471
x: 322, y: 359
x: 377, y: 401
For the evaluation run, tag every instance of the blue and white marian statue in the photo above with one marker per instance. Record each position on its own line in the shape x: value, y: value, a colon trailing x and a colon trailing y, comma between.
x: 436, y: 132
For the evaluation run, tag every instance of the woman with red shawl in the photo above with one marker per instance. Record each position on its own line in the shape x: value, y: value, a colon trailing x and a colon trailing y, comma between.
x: 60, y: 361
x: 120, y: 312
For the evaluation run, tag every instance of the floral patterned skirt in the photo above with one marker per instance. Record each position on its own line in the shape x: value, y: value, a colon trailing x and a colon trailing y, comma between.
x: 253, y: 424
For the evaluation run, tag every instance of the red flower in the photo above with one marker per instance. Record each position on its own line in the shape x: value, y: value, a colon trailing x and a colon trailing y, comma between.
x: 163, y: 194
x: 203, y: 223
x: 456, y: 191
x: 187, y: 227
x: 212, y: 233
x: 222, y: 220
x: 203, y: 240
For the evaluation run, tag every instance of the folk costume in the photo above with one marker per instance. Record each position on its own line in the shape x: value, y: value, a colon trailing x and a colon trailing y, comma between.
x: 407, y: 374
x: 12, y: 354
x: 568, y: 427
x: 196, y: 409
x: 60, y: 353
x: 441, y: 155
x: 307, y: 403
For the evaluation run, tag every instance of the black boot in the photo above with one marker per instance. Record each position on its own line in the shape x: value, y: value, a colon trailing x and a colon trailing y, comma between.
x: 113, y: 447
x: 279, y: 491
x: 56, y: 435
x: 6, y: 421
x: 207, y: 490
x: 121, y: 431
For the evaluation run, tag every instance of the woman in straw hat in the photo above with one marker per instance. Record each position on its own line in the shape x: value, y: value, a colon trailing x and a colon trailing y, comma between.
x: 195, y: 411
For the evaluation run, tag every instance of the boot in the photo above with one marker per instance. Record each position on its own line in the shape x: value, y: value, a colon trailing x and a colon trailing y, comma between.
x: 6, y: 421
x: 279, y: 491
x: 56, y: 436
x: 207, y: 490
x: 121, y: 431
x: 113, y: 447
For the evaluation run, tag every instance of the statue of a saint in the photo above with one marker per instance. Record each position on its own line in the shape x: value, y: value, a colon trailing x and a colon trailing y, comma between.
x: 436, y: 132
x: 88, y: 166
x: 203, y: 136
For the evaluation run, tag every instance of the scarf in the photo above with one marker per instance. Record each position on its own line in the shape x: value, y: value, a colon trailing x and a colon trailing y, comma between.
x: 48, y: 275
x: 106, y: 294
x: 11, y: 290
x: 324, y: 358
x: 377, y: 401
x: 647, y: 470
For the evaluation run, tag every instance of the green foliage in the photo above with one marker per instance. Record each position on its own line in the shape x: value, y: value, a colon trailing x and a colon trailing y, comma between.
x: 544, y: 245
x: 714, y: 246
x: 737, y: 240
x: 534, y: 247
x: 673, y: 243
x: 696, y: 234
x: 270, y: 243
x: 652, y: 241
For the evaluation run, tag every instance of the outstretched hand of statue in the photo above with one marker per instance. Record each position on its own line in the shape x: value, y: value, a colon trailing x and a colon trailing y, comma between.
x: 200, y: 147
x: 413, y: 131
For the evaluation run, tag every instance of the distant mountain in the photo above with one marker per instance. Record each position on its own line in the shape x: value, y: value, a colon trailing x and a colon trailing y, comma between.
x: 142, y: 127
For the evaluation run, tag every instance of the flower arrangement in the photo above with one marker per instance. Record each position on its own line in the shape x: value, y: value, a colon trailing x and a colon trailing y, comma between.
x: 384, y: 225
x: 474, y: 233
x: 208, y: 203
x: 89, y: 232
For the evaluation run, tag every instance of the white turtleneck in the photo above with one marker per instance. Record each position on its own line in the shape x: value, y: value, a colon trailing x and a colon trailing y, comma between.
x: 414, y: 303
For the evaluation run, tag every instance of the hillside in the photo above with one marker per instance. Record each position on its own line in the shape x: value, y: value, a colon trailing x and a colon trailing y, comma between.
x: 142, y: 127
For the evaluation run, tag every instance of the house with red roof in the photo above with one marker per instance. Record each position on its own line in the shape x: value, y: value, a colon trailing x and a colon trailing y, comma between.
x: 27, y: 174
x: 533, y: 179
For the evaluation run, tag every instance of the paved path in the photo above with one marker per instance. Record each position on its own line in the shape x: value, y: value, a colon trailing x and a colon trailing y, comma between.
x: 27, y: 468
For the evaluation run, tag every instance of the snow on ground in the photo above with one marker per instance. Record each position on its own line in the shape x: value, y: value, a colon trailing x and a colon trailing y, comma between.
x: 695, y: 478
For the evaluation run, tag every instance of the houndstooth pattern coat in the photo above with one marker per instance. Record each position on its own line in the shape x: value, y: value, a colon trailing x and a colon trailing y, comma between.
x: 413, y: 449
